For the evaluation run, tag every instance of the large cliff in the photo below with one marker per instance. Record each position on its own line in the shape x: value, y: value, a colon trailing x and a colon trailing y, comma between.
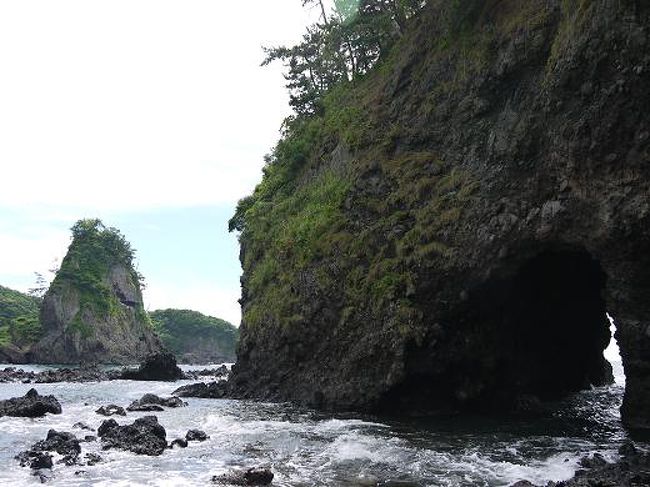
x: 93, y: 310
x: 451, y: 230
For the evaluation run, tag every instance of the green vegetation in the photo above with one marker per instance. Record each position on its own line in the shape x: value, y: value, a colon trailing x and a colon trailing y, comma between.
x: 188, y: 333
x: 316, y: 217
x: 342, y: 46
x: 94, y: 251
x: 19, y: 320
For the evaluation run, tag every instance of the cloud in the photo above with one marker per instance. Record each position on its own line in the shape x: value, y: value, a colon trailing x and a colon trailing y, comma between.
x: 22, y: 255
x: 138, y: 104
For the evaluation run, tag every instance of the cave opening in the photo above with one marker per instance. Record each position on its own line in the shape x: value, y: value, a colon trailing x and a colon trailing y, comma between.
x: 555, y: 321
x: 536, y: 331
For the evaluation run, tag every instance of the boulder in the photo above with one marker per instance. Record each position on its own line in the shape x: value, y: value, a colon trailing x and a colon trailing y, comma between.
x: 111, y: 410
x: 213, y: 390
x: 144, y: 437
x: 82, y: 426
x: 31, y: 405
x: 196, y: 435
x: 92, y: 459
x: 252, y: 476
x: 158, y: 366
x: 151, y: 402
x: 63, y: 443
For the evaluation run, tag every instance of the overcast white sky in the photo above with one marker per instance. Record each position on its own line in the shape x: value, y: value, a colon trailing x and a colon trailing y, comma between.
x: 145, y: 113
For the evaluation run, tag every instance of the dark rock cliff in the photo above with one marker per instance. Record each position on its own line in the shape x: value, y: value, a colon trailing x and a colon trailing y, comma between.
x: 494, y: 205
x: 93, y: 311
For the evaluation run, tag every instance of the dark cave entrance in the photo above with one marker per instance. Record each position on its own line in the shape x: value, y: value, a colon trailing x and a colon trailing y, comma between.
x: 534, y: 331
x: 554, y: 323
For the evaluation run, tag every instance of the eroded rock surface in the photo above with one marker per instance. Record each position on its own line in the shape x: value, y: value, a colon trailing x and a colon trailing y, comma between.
x: 31, y: 405
x: 252, y: 476
x: 151, y: 402
x: 144, y: 437
x: 159, y: 366
x: 476, y: 246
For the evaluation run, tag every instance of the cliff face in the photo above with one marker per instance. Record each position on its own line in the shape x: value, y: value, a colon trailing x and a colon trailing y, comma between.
x: 93, y: 310
x: 462, y: 219
x: 194, y: 337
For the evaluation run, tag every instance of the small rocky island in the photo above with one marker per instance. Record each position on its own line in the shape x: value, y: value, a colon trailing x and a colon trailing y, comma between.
x: 93, y: 311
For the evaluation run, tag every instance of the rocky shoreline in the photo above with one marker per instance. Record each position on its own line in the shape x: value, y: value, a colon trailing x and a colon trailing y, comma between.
x: 156, y: 367
x: 147, y: 436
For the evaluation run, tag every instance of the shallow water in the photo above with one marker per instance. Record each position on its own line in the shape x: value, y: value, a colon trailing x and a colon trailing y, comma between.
x: 306, y: 448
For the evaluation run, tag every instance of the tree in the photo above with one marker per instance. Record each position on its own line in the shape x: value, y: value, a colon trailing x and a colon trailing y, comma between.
x: 40, y: 287
x: 346, y: 44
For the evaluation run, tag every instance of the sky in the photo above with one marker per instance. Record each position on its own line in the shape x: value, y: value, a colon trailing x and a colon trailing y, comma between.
x: 153, y: 115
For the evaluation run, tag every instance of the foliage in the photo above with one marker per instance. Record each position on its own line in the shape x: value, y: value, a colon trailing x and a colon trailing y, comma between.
x: 19, y: 320
x: 184, y: 331
x: 343, y: 46
x: 94, y: 251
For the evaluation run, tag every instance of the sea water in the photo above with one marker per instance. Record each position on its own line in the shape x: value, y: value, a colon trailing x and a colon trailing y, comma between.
x: 308, y: 448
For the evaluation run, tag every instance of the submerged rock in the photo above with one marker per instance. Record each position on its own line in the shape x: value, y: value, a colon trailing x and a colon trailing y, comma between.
x: 178, y: 442
x: 144, y: 437
x: 213, y: 390
x: 159, y: 366
x: 111, y: 410
x: 31, y: 405
x: 252, y: 476
x: 151, y: 402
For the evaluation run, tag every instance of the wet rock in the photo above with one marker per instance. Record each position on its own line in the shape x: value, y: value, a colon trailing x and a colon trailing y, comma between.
x: 89, y: 438
x: 178, y: 442
x: 144, y: 437
x: 213, y: 390
x: 151, y: 402
x: 63, y: 443
x: 196, y: 435
x: 627, y: 448
x: 82, y: 426
x: 145, y: 407
x: 252, y: 476
x: 632, y: 471
x: 221, y: 372
x: 41, y: 460
x: 106, y: 426
x: 111, y: 410
x: 93, y: 459
x: 31, y: 405
x: 90, y: 373
x: 596, y: 460
x: 523, y: 483
x: 158, y: 366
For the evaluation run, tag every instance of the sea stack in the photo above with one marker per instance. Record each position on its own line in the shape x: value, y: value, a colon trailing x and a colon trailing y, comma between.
x: 93, y: 311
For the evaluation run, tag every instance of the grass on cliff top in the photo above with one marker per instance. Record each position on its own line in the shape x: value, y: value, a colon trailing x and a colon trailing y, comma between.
x: 309, y: 216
